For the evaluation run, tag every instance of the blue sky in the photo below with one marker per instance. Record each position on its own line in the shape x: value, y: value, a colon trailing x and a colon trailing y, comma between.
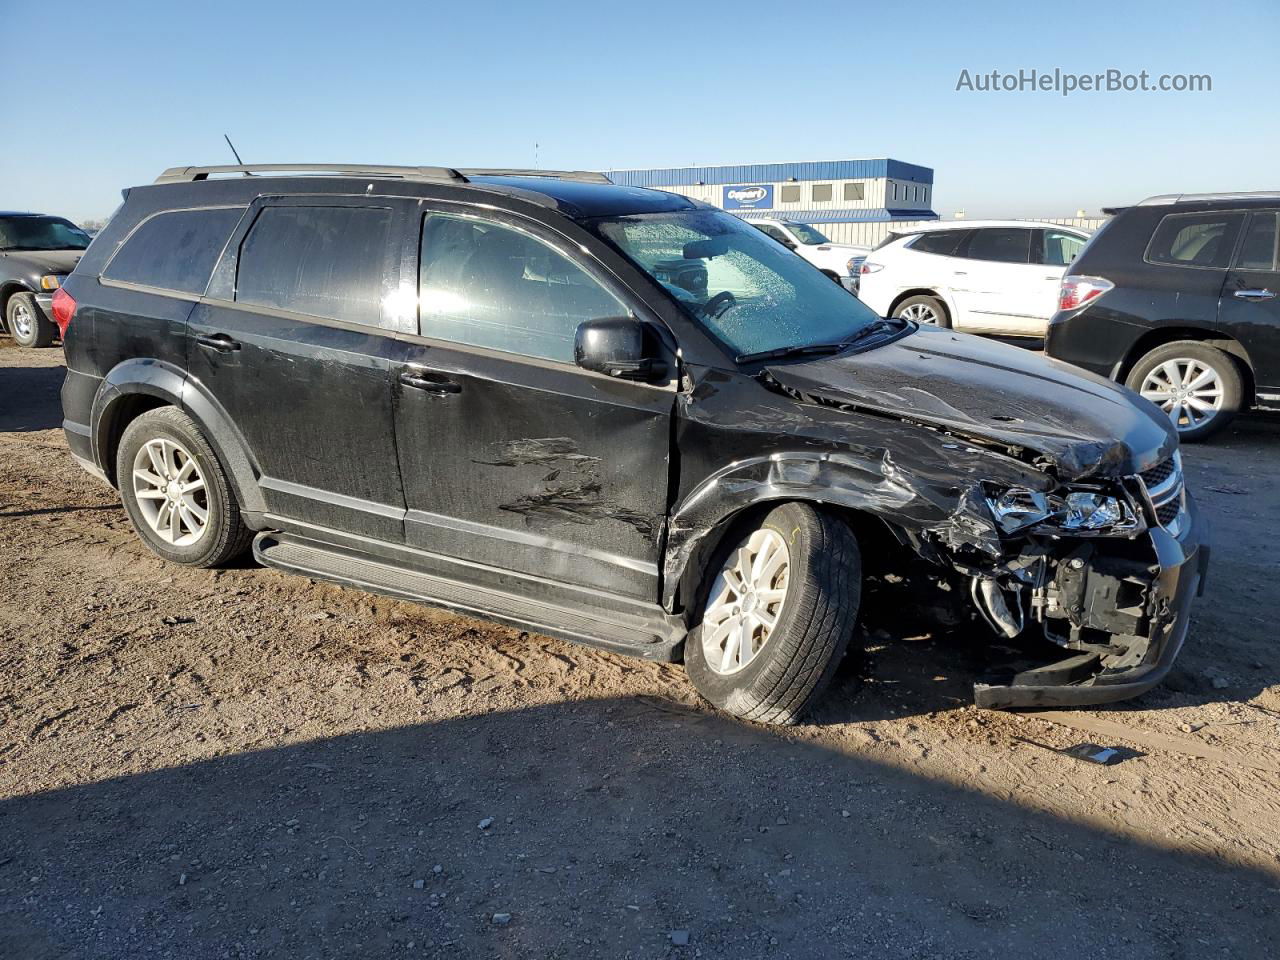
x: 112, y: 93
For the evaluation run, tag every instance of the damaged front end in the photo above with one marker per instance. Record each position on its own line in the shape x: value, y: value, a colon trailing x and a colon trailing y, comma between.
x: 1107, y: 573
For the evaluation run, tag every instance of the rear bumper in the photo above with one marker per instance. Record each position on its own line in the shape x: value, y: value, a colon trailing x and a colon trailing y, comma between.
x: 1183, y: 563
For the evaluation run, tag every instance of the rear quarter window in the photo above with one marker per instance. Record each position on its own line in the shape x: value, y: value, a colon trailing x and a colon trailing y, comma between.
x: 1203, y: 240
x: 176, y: 250
x: 944, y: 243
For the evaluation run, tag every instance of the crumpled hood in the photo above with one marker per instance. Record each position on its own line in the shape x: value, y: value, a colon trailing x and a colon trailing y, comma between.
x: 43, y: 261
x: 1080, y: 424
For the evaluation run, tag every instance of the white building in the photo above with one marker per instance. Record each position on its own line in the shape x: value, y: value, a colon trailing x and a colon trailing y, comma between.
x: 851, y: 201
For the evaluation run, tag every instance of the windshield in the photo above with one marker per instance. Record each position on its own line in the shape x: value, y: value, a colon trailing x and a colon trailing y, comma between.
x: 807, y: 234
x: 41, y: 233
x: 750, y: 292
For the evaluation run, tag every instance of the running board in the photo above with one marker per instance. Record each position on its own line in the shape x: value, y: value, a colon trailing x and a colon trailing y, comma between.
x: 656, y: 637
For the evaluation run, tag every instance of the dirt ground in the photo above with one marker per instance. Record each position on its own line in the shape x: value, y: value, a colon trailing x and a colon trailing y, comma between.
x: 243, y: 764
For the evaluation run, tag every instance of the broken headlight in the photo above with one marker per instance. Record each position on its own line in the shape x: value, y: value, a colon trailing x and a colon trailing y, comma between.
x: 1073, y: 511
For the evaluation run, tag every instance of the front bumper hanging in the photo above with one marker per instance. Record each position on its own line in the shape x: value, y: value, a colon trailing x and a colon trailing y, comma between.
x: 1181, y: 564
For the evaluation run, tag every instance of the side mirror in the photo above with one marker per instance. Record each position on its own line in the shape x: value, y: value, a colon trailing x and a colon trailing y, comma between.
x: 616, y: 347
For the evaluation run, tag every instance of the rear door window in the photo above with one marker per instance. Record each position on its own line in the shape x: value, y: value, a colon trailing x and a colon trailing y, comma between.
x: 1001, y: 244
x: 175, y: 250
x: 322, y: 261
x: 944, y: 243
x: 1195, y: 239
x: 1261, y: 247
x: 490, y: 285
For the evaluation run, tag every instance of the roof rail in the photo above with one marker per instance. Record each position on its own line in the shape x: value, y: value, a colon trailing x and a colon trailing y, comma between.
x: 1171, y: 198
x: 586, y: 176
x: 189, y: 174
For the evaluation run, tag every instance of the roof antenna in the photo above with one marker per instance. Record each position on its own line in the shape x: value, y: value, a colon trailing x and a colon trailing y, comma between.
x: 235, y: 153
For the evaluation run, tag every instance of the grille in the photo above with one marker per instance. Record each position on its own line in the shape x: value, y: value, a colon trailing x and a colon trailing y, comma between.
x: 1163, y: 484
x: 1158, y: 474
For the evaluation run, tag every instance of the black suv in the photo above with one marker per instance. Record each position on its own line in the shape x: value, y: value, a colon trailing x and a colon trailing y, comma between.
x: 36, y: 254
x: 1179, y: 297
x: 487, y: 390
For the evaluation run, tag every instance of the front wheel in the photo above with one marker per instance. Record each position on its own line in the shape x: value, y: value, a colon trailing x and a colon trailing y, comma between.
x: 1197, y: 385
x: 27, y: 323
x: 779, y: 608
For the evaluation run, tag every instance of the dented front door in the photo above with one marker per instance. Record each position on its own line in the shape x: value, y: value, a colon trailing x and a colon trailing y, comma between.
x: 511, y: 456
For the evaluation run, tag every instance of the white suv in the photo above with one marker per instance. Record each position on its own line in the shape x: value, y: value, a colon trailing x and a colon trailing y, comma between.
x: 839, y: 261
x: 983, y: 276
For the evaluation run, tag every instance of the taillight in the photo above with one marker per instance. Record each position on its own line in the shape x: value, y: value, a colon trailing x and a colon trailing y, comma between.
x: 870, y: 267
x: 64, y: 308
x: 1077, y: 291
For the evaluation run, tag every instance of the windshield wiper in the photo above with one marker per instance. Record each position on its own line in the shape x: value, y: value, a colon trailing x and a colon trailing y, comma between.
x: 809, y: 349
x: 894, y: 324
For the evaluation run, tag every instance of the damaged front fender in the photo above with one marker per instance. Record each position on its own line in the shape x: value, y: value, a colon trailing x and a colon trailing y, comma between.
x: 936, y: 510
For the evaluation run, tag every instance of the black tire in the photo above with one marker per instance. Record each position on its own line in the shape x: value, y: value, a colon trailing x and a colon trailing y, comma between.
x: 814, y: 625
x: 225, y: 536
x: 27, y: 323
x: 1224, y: 366
x: 932, y: 305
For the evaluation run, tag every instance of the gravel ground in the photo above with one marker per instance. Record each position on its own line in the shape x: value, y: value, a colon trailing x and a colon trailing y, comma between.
x: 243, y: 764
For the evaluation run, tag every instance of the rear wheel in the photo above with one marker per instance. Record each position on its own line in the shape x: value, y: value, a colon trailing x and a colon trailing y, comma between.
x: 1198, y: 386
x: 176, y: 492
x: 27, y: 323
x: 925, y: 310
x: 779, y: 608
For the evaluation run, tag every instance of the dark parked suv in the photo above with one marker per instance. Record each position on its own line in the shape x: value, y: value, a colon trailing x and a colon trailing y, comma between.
x: 489, y: 391
x: 1179, y: 297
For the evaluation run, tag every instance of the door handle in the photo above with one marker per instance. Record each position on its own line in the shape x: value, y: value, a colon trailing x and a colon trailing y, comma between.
x: 960, y: 273
x: 218, y: 341
x: 1253, y: 295
x: 430, y: 382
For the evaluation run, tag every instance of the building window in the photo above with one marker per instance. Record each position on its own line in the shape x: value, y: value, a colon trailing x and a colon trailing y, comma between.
x: 895, y: 191
x: 821, y: 192
x: 791, y: 193
x: 854, y: 191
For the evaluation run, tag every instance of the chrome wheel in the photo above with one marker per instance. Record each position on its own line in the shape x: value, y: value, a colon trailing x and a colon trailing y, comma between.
x: 1189, y: 391
x: 170, y: 492
x: 24, y: 323
x: 745, y: 602
x: 920, y: 313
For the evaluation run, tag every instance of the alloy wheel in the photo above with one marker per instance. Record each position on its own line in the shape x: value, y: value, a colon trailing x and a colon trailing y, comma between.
x: 919, y: 313
x: 1189, y: 391
x: 24, y: 323
x: 170, y: 492
x: 745, y: 602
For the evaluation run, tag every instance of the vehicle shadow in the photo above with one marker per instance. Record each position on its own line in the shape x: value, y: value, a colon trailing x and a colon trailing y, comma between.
x: 601, y: 828
x: 29, y: 398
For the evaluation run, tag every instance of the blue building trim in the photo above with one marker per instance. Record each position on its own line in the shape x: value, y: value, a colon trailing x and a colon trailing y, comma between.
x: 876, y: 215
x: 773, y: 173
